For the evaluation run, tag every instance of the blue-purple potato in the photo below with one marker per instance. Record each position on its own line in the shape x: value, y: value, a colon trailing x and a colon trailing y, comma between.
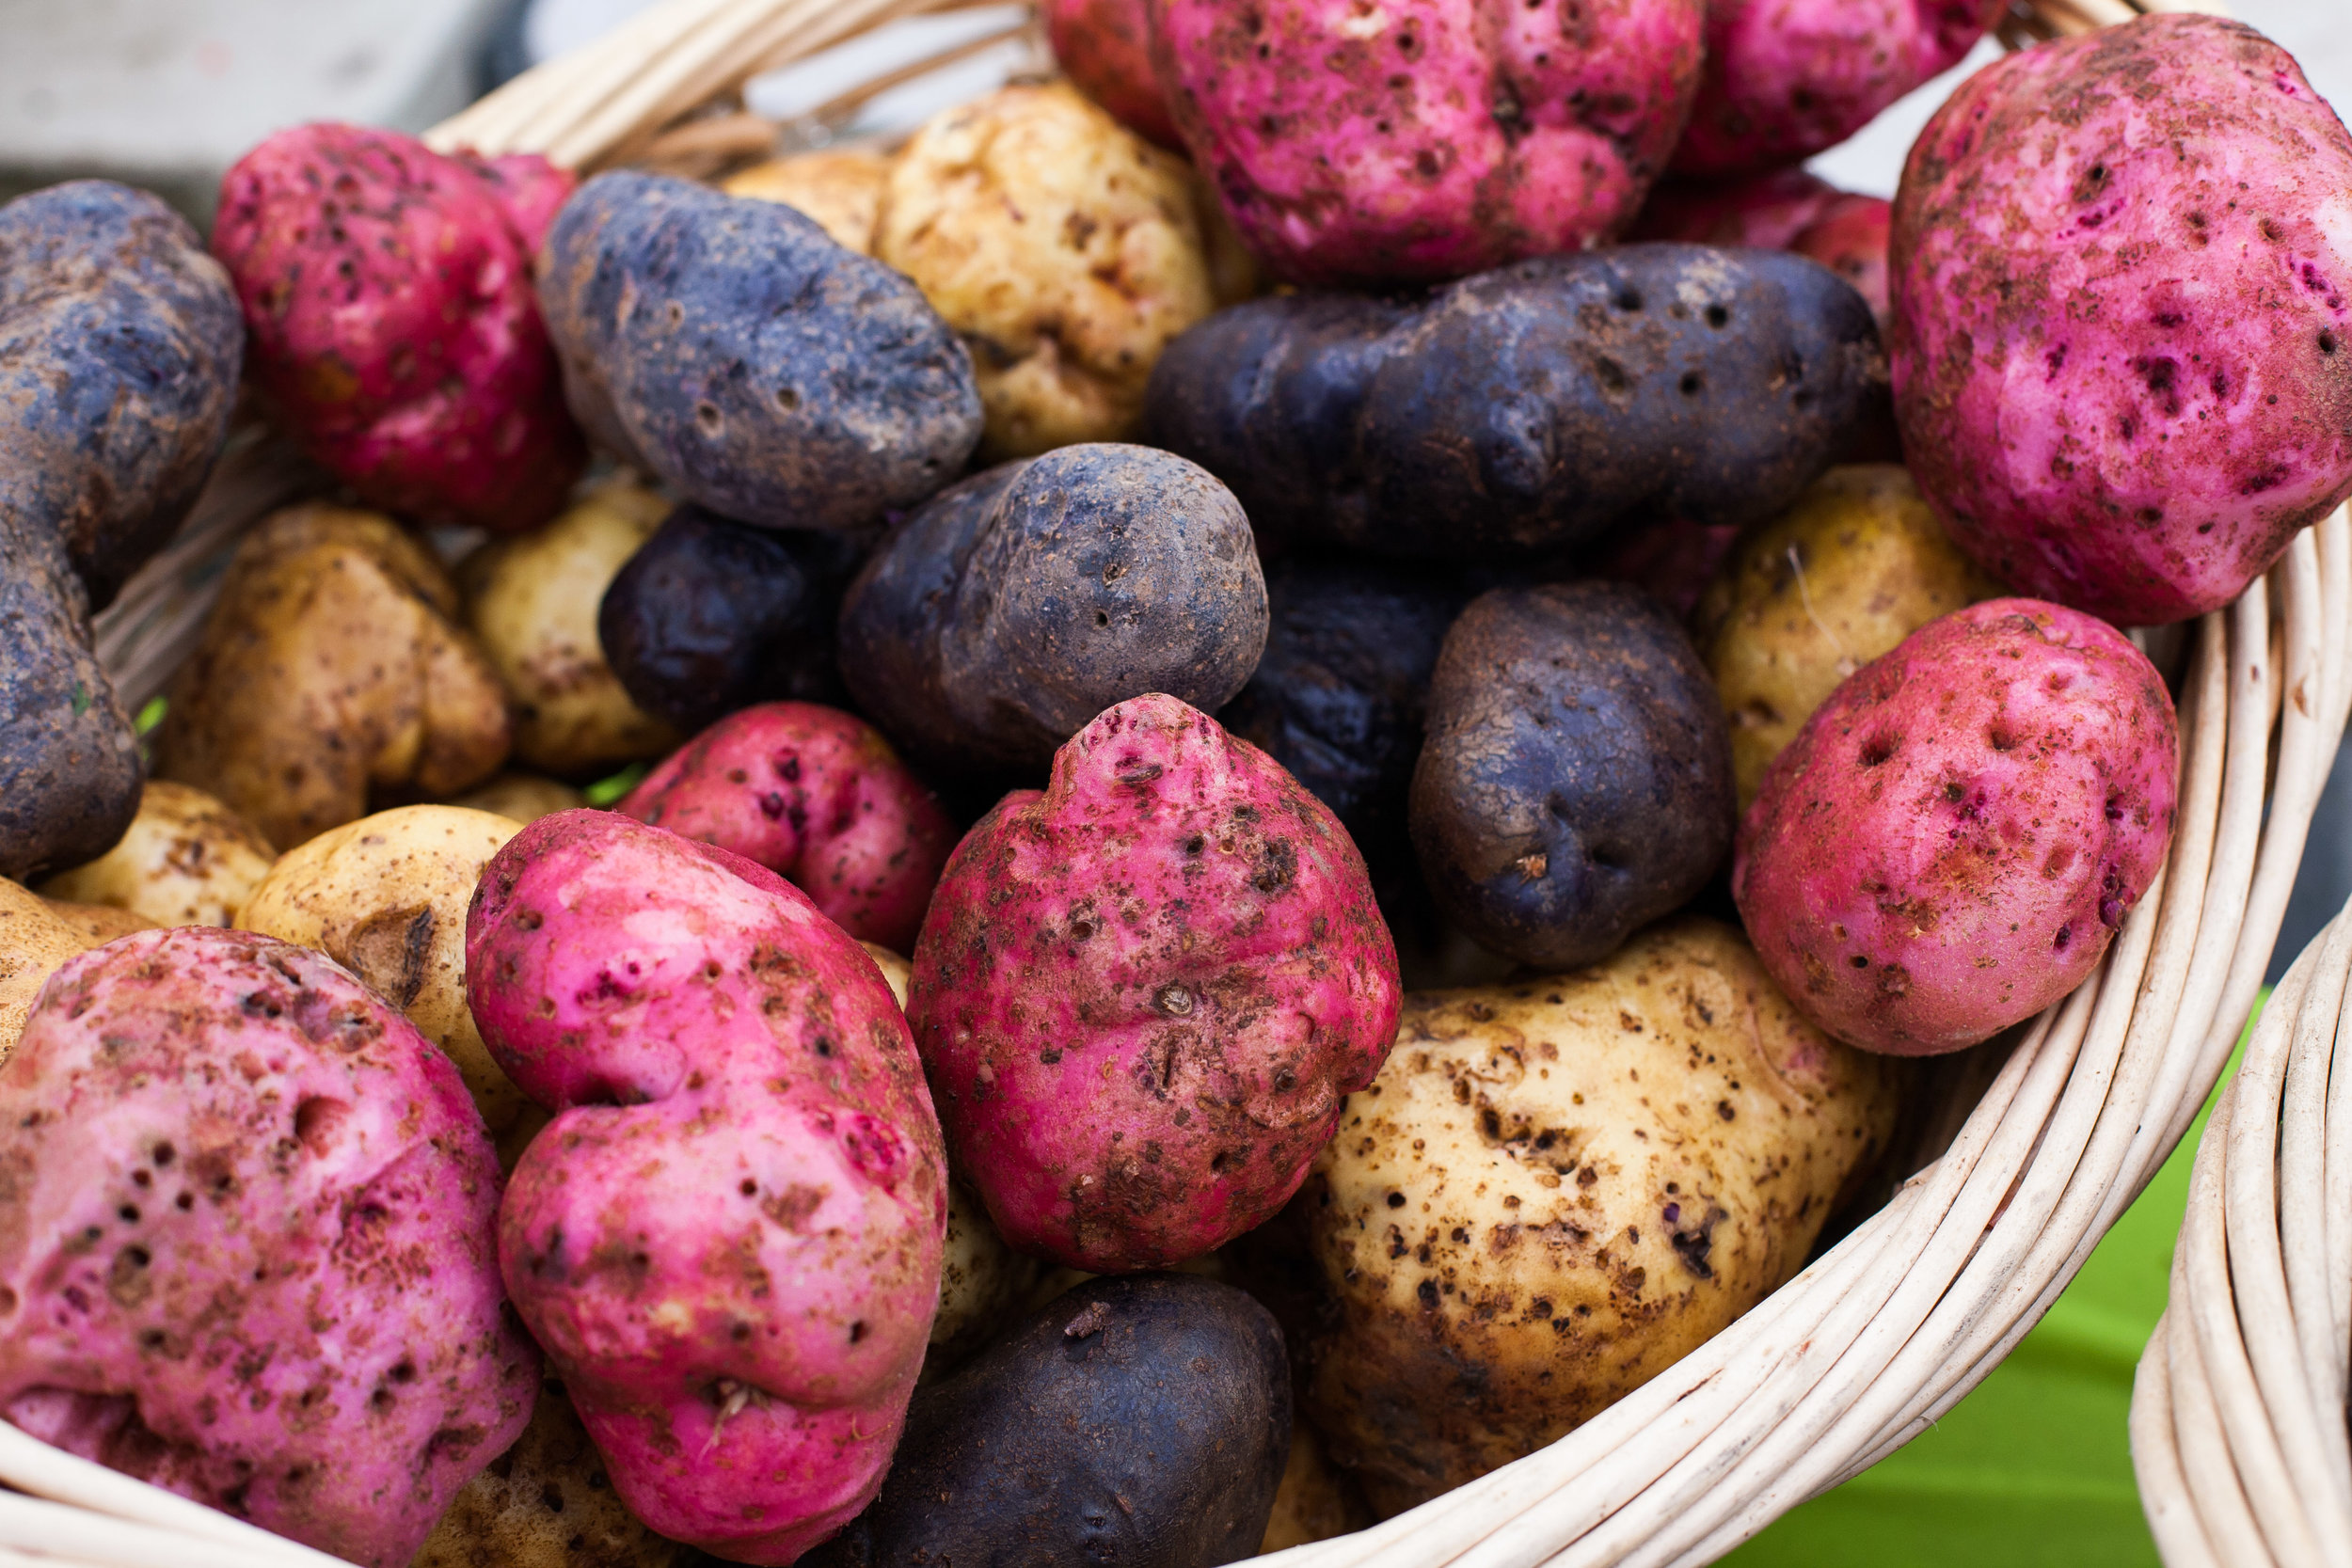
x: 730, y: 346
x: 711, y: 616
x: 1530, y: 409
x: 1140, y: 1420
x: 120, y: 340
x: 1576, y: 781
x: 1000, y: 618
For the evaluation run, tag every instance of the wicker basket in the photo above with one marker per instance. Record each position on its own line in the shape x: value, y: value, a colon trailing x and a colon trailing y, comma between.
x: 1838, y: 1368
x: 2238, y: 1431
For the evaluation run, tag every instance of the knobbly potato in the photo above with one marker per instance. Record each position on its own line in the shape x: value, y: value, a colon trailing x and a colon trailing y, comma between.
x: 1954, y: 836
x: 386, y: 898
x: 1576, y: 783
x: 98, y: 923
x: 1140, y: 1421
x: 1529, y: 410
x: 524, y: 796
x: 1558, y: 1188
x: 1015, y: 608
x: 1858, y: 565
x: 532, y: 603
x: 35, y: 937
x: 331, y: 669
x: 187, y: 860
x: 840, y: 189
x: 1066, y: 250
x: 545, y: 1503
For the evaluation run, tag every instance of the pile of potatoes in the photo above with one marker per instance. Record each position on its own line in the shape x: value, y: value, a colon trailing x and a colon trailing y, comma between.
x: 898, y: 834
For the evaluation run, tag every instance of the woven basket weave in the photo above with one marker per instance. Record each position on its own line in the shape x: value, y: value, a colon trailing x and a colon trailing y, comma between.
x: 1831, y: 1372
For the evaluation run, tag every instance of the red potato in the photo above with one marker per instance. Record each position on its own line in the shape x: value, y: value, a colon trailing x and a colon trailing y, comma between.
x: 817, y: 797
x: 1767, y: 210
x: 1105, y: 47
x: 728, y: 1239
x: 1850, y: 237
x: 2121, y: 345
x: 248, y: 1232
x: 391, y: 324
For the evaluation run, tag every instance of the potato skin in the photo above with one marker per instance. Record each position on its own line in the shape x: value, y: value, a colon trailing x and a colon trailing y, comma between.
x: 532, y: 603
x: 386, y: 898
x: 523, y: 797
x: 1529, y: 409
x: 386, y: 291
x: 1558, y: 1188
x: 742, y: 1130
x: 2122, y: 315
x: 1141, y: 1422
x: 98, y: 923
x: 36, y: 938
x: 1857, y: 565
x: 1950, y: 842
x: 186, y: 859
x: 1576, y: 783
x: 331, y: 667
x: 710, y: 616
x: 1105, y: 47
x: 817, y: 797
x: 1140, y: 995
x: 759, y: 368
x: 1765, y: 211
x: 1850, y: 238
x: 841, y: 189
x: 1429, y: 138
x: 1015, y: 607
x: 1064, y: 248
x: 981, y: 1281
x: 261, y: 1191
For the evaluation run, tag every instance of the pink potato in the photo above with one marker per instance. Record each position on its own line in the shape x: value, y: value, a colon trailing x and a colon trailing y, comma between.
x: 1848, y: 237
x: 1767, y: 210
x: 1788, y: 78
x: 728, y: 1239
x: 1141, y: 994
x: 248, y: 1230
x: 2122, y: 348
x: 1417, y: 140
x: 391, y: 324
x: 816, y: 796
x: 1951, y: 840
x: 1105, y: 47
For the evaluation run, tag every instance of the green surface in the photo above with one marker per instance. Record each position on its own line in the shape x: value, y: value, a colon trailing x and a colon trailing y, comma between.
x: 2033, y: 1469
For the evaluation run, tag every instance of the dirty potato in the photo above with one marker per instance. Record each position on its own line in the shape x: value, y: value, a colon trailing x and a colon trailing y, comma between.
x: 1557, y: 1188
x: 187, y: 860
x: 839, y: 187
x: 524, y: 796
x: 34, y: 938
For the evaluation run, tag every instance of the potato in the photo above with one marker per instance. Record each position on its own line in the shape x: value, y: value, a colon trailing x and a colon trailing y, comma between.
x: 2121, y: 272
x: 119, y: 347
x: 330, y: 670
x: 1316, y: 1502
x: 1786, y: 79
x: 728, y: 1239
x: 1105, y: 47
x: 1018, y: 604
x: 386, y: 289
x: 1953, y: 837
x: 36, y: 937
x: 187, y: 860
x: 727, y: 346
x: 1857, y: 565
x: 1576, y: 783
x: 1424, y: 140
x: 386, y: 898
x: 545, y: 1503
x: 841, y: 189
x: 1766, y: 210
x: 524, y: 796
x: 98, y: 923
x: 981, y: 1282
x: 1558, y: 1188
x: 532, y: 604
x: 1140, y: 995
x: 1064, y: 248
x: 249, y: 1246
x: 1850, y: 238
x: 1529, y: 410
x: 1140, y: 1421
x: 895, y: 972
x: 710, y: 616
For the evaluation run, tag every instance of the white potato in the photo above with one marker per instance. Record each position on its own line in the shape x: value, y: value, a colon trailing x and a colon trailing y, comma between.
x: 187, y: 860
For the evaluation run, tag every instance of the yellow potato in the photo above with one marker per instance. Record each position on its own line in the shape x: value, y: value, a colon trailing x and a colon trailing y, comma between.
x: 1316, y: 1502
x: 1557, y: 1188
x: 1064, y: 248
x: 545, y: 1503
x: 98, y: 923
x: 524, y: 796
x: 386, y: 898
x: 34, y: 939
x: 1857, y: 565
x: 841, y: 189
x: 531, y: 602
x: 981, y: 1281
x: 897, y: 971
x: 187, y: 860
x: 331, y: 668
